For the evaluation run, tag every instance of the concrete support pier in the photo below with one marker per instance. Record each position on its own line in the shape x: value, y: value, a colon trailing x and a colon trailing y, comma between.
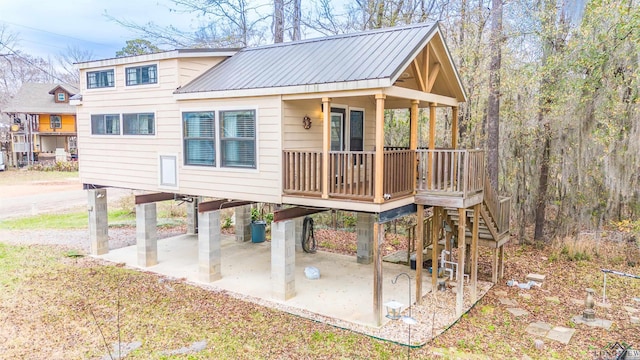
x: 243, y: 223
x: 283, y: 259
x: 299, y: 225
x: 209, y: 246
x: 98, y: 222
x: 364, y: 228
x: 146, y: 234
x: 192, y: 216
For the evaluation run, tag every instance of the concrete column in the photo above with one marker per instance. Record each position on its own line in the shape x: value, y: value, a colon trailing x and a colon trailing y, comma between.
x: 243, y: 223
x: 146, y: 234
x: 283, y: 259
x: 209, y: 242
x: 98, y: 223
x: 192, y: 216
x: 364, y: 229
x: 299, y: 223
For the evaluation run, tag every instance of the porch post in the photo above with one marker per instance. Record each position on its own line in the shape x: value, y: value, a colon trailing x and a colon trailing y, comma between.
x: 462, y: 219
x: 146, y: 234
x: 435, y: 230
x: 454, y: 127
x: 378, y: 240
x: 432, y: 142
x: 379, y: 167
x: 413, y: 141
x: 209, y: 246
x: 419, y: 247
x: 326, y: 145
x: 474, y: 253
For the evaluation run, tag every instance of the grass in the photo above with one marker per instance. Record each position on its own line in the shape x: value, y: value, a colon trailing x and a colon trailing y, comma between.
x: 79, y: 220
x: 13, y: 177
x: 64, y: 302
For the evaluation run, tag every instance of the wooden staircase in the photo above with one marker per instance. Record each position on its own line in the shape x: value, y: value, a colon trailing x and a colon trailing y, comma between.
x: 493, y: 227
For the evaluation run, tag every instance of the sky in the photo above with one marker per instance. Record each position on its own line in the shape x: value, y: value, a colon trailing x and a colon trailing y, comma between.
x: 46, y: 27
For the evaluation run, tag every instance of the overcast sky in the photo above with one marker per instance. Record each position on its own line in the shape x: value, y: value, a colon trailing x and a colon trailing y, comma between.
x: 46, y: 27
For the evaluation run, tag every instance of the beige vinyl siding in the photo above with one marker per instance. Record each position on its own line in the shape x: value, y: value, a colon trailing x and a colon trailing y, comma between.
x: 262, y: 184
x: 189, y: 68
x: 295, y: 136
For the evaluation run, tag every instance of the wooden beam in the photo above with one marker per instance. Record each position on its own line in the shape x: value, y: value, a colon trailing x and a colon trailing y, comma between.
x: 433, y: 76
x: 461, y: 255
x: 413, y: 140
x: 419, y: 248
x: 405, y: 93
x: 214, y: 205
x: 435, y: 230
x: 416, y: 70
x: 150, y: 198
x: 378, y: 196
x: 295, y: 212
x: 454, y: 127
x: 326, y: 145
x: 378, y: 234
x: 392, y: 214
x: 474, y: 253
x: 426, y: 61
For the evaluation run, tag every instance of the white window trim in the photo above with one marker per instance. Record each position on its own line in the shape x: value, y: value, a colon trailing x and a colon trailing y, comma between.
x: 144, y: 136
x: 177, y: 169
x: 140, y: 86
x: 218, y: 167
x: 122, y: 135
x: 364, y: 118
x: 86, y: 83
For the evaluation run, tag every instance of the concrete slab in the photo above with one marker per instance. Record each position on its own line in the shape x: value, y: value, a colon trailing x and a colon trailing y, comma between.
x: 344, y: 290
x: 517, y: 312
x: 634, y: 320
x: 501, y: 293
x: 538, y: 329
x: 577, y: 302
x: 535, y: 277
x: 508, y: 302
x: 630, y: 309
x: 561, y: 334
x: 600, y: 323
x: 603, y: 305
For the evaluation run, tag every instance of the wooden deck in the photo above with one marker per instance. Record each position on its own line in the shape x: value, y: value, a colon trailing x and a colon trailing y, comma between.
x: 442, y: 177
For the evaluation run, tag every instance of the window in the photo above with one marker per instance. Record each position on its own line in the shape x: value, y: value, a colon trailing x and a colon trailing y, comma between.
x: 168, y: 170
x: 100, y: 79
x: 138, y: 124
x: 238, y: 138
x: 61, y: 97
x: 356, y: 134
x: 55, y: 122
x: 141, y: 75
x: 108, y: 124
x: 199, y: 138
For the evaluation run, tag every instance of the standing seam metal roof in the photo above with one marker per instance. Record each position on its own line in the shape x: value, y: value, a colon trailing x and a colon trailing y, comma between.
x: 377, y: 54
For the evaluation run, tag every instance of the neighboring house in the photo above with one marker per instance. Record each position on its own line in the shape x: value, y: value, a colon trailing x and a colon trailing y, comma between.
x: 299, y: 124
x: 42, y: 121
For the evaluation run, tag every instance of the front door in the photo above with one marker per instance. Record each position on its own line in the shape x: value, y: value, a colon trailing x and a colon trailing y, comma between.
x: 337, y: 129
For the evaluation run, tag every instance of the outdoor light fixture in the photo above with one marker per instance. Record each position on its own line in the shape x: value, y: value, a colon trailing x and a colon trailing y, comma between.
x: 393, y: 311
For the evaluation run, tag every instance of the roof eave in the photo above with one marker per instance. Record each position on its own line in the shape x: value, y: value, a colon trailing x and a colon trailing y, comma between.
x: 295, y: 89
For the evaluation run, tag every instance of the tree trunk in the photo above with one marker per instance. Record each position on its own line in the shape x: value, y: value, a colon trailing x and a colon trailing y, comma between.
x: 543, y: 184
x: 296, y: 20
x: 278, y: 21
x: 493, y: 107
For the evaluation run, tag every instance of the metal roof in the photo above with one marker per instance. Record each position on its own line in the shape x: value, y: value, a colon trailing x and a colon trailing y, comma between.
x: 371, y: 55
x: 34, y: 98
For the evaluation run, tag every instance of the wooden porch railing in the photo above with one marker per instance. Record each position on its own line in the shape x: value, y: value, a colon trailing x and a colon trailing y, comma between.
x: 453, y: 172
x: 302, y: 172
x: 398, y: 172
x: 351, y: 174
x: 499, y: 207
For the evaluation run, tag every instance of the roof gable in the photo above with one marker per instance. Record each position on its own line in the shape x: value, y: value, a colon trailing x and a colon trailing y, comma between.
x: 366, y: 60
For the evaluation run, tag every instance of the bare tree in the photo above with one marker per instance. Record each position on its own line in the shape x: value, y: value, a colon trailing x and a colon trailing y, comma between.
x: 66, y: 60
x: 278, y: 21
x: 493, y: 106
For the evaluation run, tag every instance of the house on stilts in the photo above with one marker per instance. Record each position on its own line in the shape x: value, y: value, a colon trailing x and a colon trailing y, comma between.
x: 301, y: 125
